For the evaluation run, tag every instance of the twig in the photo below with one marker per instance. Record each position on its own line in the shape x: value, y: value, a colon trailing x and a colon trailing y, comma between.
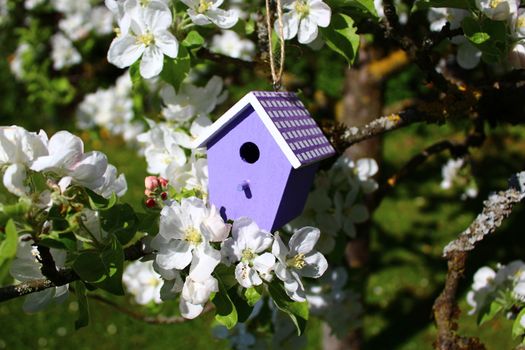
x: 60, y: 277
x: 344, y: 137
x: 159, y: 319
x: 495, y: 209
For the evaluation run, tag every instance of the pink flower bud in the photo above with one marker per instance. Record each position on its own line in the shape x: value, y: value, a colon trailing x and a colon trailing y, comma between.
x: 163, y: 182
x: 150, y: 203
x: 164, y: 196
x: 151, y: 183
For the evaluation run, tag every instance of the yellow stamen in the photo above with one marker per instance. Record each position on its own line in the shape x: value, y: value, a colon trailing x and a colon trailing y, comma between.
x: 297, y: 261
x: 247, y: 255
x: 204, y: 6
x: 302, y: 8
x: 193, y: 235
x: 494, y: 3
x: 147, y: 39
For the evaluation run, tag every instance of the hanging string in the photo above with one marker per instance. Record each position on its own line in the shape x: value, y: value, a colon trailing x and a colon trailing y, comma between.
x: 276, y: 75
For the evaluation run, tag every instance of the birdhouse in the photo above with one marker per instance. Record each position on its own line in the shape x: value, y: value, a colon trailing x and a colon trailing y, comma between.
x: 262, y: 157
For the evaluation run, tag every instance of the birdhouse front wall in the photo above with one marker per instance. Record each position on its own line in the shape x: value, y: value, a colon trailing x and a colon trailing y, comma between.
x: 248, y: 172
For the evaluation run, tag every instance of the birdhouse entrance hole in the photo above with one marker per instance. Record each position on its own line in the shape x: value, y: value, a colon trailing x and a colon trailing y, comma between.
x: 249, y: 152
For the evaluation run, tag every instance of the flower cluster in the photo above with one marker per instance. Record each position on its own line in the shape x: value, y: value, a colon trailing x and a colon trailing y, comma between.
x: 168, y: 145
x: 61, y: 158
x: 501, y: 290
x: 193, y: 240
x: 334, y: 205
x: 111, y: 109
x: 156, y: 190
x: 469, y: 51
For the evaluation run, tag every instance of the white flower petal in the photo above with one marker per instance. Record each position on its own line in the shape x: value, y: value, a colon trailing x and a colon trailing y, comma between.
x: 124, y: 51
x: 320, y: 13
x: 222, y: 19
x: 14, y: 178
x: 205, y: 259
x: 304, y: 240
x: 152, y: 62
x: 167, y: 43
x: 307, y: 30
x: 315, y: 267
x: 290, y: 25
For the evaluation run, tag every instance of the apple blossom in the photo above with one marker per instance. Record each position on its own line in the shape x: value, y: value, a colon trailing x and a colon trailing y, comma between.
x: 300, y: 259
x: 63, y: 53
x: 148, y: 36
x: 203, y: 12
x: 142, y: 282
x: 195, y: 294
x: 230, y: 44
x: 246, y: 247
x: 303, y: 19
x: 498, y: 10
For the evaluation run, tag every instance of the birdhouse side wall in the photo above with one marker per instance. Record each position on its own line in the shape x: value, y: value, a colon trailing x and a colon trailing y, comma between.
x: 295, y: 195
x: 240, y: 188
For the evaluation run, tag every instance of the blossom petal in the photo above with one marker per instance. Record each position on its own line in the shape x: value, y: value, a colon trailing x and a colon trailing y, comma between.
x: 124, y: 51
x: 177, y: 255
x: 152, y: 62
x: 304, y: 240
x: 279, y: 249
x: 205, y: 259
x: 189, y: 310
x: 315, y: 266
x: 157, y: 15
x: 320, y: 13
x: 14, y: 178
x: 307, y: 30
x: 290, y: 25
x: 198, y: 18
x: 167, y: 43
x: 222, y: 19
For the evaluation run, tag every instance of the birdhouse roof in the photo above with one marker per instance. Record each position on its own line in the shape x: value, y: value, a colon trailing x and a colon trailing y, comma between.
x: 288, y: 121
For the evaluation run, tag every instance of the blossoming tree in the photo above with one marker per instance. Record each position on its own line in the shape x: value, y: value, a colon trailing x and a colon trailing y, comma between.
x: 66, y: 229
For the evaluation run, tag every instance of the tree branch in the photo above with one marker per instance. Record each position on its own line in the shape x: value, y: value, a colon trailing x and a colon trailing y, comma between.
x: 58, y: 277
x: 496, y: 208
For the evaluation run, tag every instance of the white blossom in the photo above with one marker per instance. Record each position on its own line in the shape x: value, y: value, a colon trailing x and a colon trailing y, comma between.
x: 203, y: 12
x: 63, y: 53
x: 142, y: 282
x: 67, y: 159
x: 76, y: 25
x: 185, y: 233
x: 303, y: 18
x: 19, y: 148
x: 192, y: 101
x: 195, y: 294
x: 438, y: 18
x: 26, y: 267
x: 31, y: 4
x: 148, y: 37
x: 192, y: 176
x: 498, y: 10
x: 348, y: 212
x: 300, y: 260
x: 163, y: 153
x: 231, y: 44
x: 246, y: 248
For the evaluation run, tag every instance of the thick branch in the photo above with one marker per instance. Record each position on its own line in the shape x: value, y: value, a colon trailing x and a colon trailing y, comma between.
x: 59, y: 277
x: 496, y: 208
x: 346, y: 137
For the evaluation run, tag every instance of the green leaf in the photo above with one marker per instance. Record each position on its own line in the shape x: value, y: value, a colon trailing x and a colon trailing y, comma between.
x: 193, y: 40
x: 58, y: 240
x: 479, y: 38
x: 120, y: 220
x: 226, y: 311
x: 341, y: 36
x: 252, y: 296
x: 9, y: 245
x: 489, y: 310
x: 83, y: 306
x: 490, y: 37
x: 148, y: 222
x: 176, y: 70
x: 97, y: 202
x: 364, y: 5
x: 102, y: 268
x: 297, y: 311
x: 517, y: 328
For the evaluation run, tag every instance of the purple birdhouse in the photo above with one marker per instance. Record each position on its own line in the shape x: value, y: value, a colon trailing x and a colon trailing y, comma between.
x: 262, y: 157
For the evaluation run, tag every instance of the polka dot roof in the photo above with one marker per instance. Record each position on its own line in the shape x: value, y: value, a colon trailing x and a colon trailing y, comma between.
x: 295, y: 124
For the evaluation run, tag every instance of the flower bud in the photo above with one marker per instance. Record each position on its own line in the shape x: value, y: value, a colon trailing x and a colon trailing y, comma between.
x: 163, y: 182
x: 164, y: 196
x: 150, y: 203
x: 517, y: 55
x: 151, y: 183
